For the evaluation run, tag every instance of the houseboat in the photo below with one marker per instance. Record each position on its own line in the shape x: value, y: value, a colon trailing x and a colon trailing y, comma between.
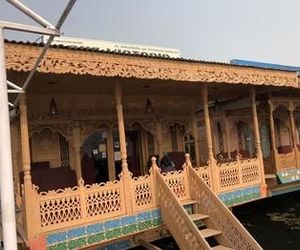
x: 112, y: 150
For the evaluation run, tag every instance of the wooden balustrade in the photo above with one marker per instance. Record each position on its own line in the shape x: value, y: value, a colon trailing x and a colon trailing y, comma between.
x: 238, y: 174
x: 232, y: 175
x: 178, y: 182
x: 143, y: 193
x: 183, y: 228
x: 223, y: 219
x: 204, y: 174
x: 82, y: 204
x: 286, y: 161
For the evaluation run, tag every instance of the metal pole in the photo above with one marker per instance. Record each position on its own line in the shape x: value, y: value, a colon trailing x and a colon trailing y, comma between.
x: 27, y: 11
x: 6, y: 171
x: 29, y: 28
x: 47, y: 45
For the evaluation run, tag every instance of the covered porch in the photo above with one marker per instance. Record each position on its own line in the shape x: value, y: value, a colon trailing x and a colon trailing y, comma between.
x: 107, y: 130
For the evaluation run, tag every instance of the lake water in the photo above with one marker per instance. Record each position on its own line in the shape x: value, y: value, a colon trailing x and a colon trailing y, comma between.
x: 274, y: 222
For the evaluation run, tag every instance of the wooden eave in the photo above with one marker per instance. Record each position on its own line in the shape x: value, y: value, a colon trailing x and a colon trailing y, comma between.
x: 21, y: 58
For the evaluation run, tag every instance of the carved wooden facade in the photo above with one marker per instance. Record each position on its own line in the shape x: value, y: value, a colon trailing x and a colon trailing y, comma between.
x: 216, y: 139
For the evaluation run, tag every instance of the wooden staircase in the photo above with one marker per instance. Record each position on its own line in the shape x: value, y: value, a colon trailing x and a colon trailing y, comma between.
x: 205, y: 226
x: 202, y: 221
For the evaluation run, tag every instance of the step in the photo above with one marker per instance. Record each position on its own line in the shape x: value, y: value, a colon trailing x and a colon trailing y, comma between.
x: 270, y: 176
x: 220, y: 247
x: 208, y: 232
x: 196, y: 217
x: 188, y: 202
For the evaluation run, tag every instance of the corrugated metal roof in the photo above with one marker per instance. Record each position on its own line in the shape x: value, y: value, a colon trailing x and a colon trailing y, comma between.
x: 264, y: 65
x: 181, y: 59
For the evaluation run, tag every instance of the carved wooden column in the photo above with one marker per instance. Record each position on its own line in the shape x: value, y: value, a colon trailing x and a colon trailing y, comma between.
x: 159, y: 138
x: 30, y: 210
x: 110, y: 154
x: 126, y: 175
x: 77, y: 144
x: 16, y: 170
x: 227, y: 136
x: 211, y: 159
x: 25, y: 140
x: 121, y: 126
x: 293, y: 132
x: 257, y: 141
x: 196, y: 139
x: 273, y: 138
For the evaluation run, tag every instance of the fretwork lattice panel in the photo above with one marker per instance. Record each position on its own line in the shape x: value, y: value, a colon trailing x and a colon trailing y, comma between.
x: 250, y: 173
x: 103, y: 201
x: 60, y: 210
x: 143, y: 193
x: 176, y: 181
x: 286, y: 161
x: 204, y: 175
x: 229, y: 176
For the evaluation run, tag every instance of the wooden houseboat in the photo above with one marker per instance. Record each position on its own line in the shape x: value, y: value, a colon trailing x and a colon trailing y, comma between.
x: 95, y: 129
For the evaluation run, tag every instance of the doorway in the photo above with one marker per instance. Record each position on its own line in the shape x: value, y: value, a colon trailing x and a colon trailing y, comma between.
x: 134, y: 154
x: 94, y: 161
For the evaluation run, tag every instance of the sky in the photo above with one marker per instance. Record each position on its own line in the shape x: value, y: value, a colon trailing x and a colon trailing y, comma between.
x: 212, y: 30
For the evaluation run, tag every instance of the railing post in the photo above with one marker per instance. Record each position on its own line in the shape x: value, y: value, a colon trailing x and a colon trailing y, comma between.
x: 185, y: 167
x: 211, y: 159
x: 258, y: 143
x: 154, y: 170
x: 188, y: 162
x: 82, y: 193
x: 30, y: 204
x: 129, y: 192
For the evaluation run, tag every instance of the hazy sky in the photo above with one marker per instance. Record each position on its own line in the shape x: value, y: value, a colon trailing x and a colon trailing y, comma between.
x: 215, y: 30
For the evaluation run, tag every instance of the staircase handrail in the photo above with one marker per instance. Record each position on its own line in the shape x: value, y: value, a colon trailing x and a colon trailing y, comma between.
x: 224, y: 220
x: 182, y: 228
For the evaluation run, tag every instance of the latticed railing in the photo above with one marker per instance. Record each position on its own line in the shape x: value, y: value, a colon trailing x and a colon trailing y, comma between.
x: 88, y: 203
x: 286, y: 161
x: 72, y: 206
x: 238, y: 174
x: 204, y: 174
x: 223, y: 219
x: 178, y: 182
x: 143, y: 188
x: 180, y: 225
x: 61, y: 207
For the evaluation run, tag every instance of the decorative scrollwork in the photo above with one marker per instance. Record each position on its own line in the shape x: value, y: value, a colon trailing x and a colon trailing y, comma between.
x: 61, y: 61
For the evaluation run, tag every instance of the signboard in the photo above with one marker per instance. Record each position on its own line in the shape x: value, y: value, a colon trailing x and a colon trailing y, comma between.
x: 124, y: 48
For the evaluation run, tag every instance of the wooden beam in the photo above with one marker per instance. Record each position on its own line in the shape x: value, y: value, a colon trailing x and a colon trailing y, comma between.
x: 147, y: 245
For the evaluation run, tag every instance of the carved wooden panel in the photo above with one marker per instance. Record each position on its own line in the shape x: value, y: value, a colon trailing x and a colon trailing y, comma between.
x: 61, y: 61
